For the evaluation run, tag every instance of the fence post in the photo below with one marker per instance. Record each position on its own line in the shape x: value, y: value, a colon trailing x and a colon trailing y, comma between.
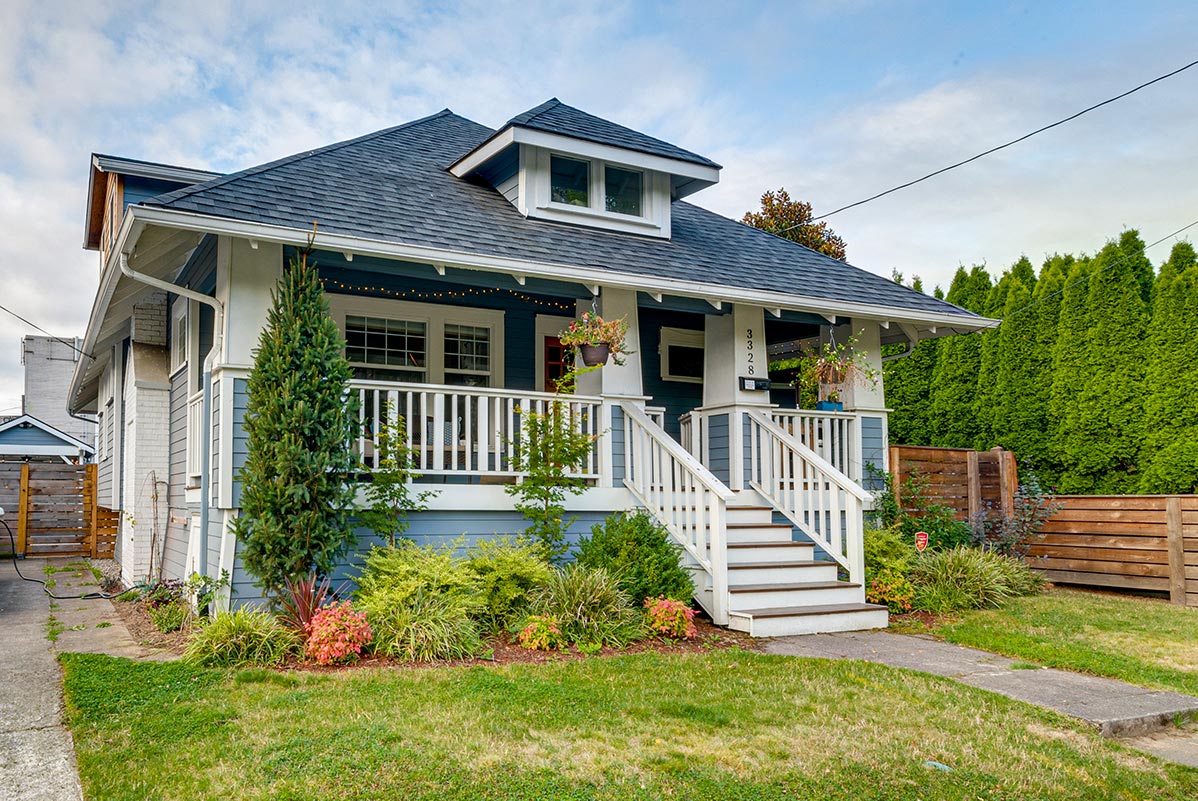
x: 896, y: 478
x: 23, y: 510
x: 975, y: 485
x: 1008, y: 480
x: 1177, y: 562
x: 89, y: 507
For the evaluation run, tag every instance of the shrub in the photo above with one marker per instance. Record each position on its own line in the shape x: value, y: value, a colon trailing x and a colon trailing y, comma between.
x: 162, y: 593
x: 506, y: 572
x: 670, y: 618
x: 204, y: 589
x: 892, y: 588
x: 641, y: 554
x: 168, y: 617
x: 589, y: 605
x: 300, y: 600
x: 421, y: 626
x: 540, y: 633
x: 336, y: 633
x: 406, y: 569
x: 886, y: 550
x: 1014, y: 534
x: 920, y: 513
x: 244, y: 637
x: 968, y: 578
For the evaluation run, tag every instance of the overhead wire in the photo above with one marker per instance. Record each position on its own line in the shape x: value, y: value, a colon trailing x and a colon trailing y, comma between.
x: 32, y: 324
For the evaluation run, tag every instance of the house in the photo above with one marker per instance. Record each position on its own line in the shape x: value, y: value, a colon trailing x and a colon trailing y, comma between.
x: 49, y: 364
x: 452, y: 256
x: 24, y: 438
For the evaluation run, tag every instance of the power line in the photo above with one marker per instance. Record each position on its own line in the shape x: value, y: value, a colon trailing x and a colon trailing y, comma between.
x: 994, y: 149
x: 32, y: 324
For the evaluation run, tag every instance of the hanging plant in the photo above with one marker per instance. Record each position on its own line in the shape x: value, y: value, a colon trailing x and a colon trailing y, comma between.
x: 596, y: 339
x: 822, y: 375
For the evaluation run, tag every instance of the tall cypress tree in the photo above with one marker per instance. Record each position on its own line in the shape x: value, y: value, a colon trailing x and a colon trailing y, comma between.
x: 1015, y: 412
x: 1045, y: 313
x: 988, y: 399
x: 1069, y: 374
x: 1171, y: 404
x: 1110, y: 399
x: 908, y: 383
x: 955, y: 378
x: 295, y: 497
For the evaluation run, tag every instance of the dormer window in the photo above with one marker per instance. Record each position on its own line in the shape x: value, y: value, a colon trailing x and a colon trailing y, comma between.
x: 570, y: 181
x: 622, y: 190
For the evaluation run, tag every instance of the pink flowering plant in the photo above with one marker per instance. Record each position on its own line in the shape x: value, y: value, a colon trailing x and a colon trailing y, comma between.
x: 541, y: 633
x: 670, y: 618
x: 591, y: 329
x: 336, y: 634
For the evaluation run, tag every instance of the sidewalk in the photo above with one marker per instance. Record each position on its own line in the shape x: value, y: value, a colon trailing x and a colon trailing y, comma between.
x: 1115, y: 708
x: 37, y: 758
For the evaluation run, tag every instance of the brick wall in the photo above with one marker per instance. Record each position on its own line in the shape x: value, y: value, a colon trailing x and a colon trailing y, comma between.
x: 49, y: 366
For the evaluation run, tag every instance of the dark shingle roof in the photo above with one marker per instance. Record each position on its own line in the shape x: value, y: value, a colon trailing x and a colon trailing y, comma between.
x: 554, y: 116
x: 393, y: 186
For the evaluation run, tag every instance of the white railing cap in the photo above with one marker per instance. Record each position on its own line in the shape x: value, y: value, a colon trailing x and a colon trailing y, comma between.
x: 448, y: 389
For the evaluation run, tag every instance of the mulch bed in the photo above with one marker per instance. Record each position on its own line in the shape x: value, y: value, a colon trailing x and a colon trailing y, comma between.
x: 500, y: 650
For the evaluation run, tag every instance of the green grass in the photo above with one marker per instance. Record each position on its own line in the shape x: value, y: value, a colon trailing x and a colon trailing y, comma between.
x: 1139, y: 640
x: 53, y: 628
x: 727, y: 725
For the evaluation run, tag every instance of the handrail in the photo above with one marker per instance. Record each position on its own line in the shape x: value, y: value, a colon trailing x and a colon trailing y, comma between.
x: 684, y: 496
x: 824, y: 503
x: 824, y: 466
x: 495, y: 392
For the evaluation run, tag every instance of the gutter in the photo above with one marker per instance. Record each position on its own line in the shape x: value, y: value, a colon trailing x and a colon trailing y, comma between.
x: 218, y: 327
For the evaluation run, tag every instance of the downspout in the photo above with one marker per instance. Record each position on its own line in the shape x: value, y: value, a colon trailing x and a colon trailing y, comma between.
x: 218, y: 310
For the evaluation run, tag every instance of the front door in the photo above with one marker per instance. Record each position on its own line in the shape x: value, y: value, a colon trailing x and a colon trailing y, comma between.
x: 556, y: 355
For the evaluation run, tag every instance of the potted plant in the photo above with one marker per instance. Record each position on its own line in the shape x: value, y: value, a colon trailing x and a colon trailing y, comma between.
x: 837, y: 366
x: 596, y: 339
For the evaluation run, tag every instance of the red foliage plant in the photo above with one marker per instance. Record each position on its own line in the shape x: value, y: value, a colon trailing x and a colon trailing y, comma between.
x: 301, y: 599
x: 336, y: 633
x: 671, y: 618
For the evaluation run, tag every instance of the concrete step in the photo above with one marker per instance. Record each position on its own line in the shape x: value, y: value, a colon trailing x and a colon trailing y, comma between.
x: 777, y: 551
x: 796, y: 595
x: 819, y: 619
x: 781, y: 572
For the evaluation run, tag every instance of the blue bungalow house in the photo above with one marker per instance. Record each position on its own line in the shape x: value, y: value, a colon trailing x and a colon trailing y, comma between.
x: 452, y: 256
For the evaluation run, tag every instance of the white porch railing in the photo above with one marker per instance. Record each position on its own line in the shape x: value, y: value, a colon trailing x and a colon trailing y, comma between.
x: 464, y: 430
x: 195, y: 430
x: 835, y: 436
x: 683, y: 495
x: 809, y: 490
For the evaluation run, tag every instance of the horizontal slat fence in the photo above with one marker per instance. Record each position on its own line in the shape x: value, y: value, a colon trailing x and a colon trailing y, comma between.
x: 966, y: 481
x: 52, y: 510
x: 1137, y: 542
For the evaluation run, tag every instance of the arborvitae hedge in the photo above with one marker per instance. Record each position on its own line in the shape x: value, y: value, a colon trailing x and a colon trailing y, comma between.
x: 1091, y: 377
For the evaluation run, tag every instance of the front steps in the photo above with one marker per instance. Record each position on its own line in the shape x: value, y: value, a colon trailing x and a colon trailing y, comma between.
x: 777, y: 587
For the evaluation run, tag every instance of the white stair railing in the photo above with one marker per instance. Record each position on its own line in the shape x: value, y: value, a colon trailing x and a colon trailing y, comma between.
x: 810, y: 491
x: 833, y: 435
x: 683, y: 495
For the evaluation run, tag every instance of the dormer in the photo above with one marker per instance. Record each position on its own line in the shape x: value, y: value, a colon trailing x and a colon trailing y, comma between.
x: 554, y: 162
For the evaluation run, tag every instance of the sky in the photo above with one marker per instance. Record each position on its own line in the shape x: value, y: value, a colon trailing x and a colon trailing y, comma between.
x: 834, y: 101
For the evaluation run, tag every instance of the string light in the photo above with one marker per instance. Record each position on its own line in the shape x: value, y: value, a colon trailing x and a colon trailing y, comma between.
x: 468, y: 292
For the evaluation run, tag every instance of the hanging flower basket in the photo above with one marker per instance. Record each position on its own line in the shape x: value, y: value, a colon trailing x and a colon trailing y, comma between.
x: 595, y: 354
x: 596, y: 339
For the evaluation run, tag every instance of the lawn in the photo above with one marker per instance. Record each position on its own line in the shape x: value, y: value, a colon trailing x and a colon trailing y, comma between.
x: 1139, y: 640
x: 724, y: 725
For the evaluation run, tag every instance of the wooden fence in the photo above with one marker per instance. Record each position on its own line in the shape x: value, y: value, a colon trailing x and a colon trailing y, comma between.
x: 968, y: 482
x: 52, y: 511
x: 1139, y: 542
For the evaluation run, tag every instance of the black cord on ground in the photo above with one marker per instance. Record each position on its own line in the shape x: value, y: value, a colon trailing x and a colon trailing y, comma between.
x: 16, y: 566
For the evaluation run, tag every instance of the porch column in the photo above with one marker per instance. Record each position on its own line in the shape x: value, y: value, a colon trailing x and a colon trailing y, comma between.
x: 245, y: 275
x: 734, y: 349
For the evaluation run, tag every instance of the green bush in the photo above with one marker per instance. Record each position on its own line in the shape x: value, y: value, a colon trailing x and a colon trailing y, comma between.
x: 589, y: 605
x: 891, y: 588
x: 421, y: 626
x: 403, y: 570
x: 506, y: 571
x: 887, y: 550
x: 641, y: 554
x: 244, y: 637
x: 920, y: 513
x: 170, y: 616
x: 968, y: 578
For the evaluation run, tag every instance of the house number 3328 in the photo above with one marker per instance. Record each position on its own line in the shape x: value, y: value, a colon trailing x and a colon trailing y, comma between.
x: 749, y: 356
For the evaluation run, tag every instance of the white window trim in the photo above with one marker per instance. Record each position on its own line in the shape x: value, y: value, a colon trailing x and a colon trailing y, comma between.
x: 546, y: 325
x: 678, y: 336
x: 597, y: 191
x: 183, y: 310
x: 435, y: 316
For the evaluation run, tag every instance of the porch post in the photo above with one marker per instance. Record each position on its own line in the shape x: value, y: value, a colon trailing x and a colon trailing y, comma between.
x: 734, y: 349
x: 868, y: 403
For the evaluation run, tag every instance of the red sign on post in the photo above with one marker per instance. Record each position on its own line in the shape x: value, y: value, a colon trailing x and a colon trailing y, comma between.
x: 921, y: 541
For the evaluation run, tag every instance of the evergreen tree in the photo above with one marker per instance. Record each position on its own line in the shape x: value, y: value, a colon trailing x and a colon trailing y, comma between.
x: 1171, y: 404
x: 1104, y: 447
x: 1045, y: 314
x: 955, y: 377
x: 988, y: 399
x: 1015, y: 414
x: 908, y: 383
x: 295, y: 497
x: 1069, y: 371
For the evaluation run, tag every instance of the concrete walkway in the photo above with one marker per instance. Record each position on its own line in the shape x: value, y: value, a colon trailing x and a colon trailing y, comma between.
x: 37, y: 758
x: 1114, y: 708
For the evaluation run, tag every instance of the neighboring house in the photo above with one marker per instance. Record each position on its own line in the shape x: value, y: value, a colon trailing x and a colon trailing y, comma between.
x: 453, y: 255
x: 25, y: 438
x: 49, y: 364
